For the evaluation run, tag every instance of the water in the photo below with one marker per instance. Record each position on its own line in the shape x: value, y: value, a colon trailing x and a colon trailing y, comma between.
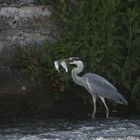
x: 97, y: 129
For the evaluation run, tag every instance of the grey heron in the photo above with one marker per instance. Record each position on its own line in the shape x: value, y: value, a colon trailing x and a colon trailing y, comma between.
x: 96, y: 85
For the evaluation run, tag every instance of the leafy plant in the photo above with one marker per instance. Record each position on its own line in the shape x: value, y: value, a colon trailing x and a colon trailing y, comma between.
x: 105, y: 35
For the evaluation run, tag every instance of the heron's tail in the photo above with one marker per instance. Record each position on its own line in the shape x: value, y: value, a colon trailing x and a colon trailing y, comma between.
x: 122, y: 100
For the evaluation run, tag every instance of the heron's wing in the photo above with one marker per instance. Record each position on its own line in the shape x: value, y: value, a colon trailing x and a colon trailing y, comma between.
x: 99, y: 80
x: 101, y: 87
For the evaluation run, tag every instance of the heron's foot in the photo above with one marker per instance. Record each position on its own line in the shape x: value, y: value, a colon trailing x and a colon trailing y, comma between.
x: 93, y: 116
x: 107, y: 116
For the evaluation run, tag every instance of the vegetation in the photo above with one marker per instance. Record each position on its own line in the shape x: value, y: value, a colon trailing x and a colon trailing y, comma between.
x: 105, y: 35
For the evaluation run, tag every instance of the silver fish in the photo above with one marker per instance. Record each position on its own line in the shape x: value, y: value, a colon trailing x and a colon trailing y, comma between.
x: 64, y: 65
x: 56, y: 64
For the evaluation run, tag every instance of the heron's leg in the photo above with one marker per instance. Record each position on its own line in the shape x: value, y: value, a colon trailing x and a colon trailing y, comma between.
x: 107, y: 110
x: 94, y: 105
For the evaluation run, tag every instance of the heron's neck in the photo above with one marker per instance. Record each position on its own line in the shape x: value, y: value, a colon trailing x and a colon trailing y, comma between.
x: 76, y: 71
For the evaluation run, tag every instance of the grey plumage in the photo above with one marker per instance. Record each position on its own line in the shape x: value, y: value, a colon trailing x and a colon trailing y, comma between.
x: 96, y: 85
x: 101, y: 87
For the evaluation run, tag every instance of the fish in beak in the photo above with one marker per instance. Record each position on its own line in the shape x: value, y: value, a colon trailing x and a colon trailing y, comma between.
x: 62, y: 63
x: 56, y: 64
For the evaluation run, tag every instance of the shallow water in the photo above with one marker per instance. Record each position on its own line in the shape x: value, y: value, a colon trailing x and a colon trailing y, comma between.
x: 98, y: 129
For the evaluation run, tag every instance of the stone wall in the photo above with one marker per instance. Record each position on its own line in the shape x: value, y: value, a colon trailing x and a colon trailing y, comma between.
x: 23, y: 23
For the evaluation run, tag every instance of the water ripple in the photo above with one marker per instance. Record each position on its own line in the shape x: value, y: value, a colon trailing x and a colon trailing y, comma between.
x: 98, y: 129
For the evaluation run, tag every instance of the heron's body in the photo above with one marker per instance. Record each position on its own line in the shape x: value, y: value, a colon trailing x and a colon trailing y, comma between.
x: 99, y: 86
x: 95, y: 85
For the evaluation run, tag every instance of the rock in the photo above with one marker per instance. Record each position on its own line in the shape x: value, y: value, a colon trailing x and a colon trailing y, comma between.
x: 23, y: 23
x: 22, y: 27
x: 19, y: 3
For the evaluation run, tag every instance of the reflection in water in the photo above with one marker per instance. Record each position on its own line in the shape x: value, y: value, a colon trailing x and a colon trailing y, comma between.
x: 98, y: 129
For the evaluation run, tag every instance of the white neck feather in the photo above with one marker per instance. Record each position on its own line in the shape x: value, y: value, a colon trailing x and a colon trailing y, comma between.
x: 79, y: 68
x: 76, y: 71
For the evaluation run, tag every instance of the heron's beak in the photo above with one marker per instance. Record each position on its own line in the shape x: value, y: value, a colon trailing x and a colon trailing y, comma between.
x: 69, y: 60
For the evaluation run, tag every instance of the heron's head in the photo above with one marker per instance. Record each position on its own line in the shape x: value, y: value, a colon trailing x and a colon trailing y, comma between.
x: 73, y: 60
